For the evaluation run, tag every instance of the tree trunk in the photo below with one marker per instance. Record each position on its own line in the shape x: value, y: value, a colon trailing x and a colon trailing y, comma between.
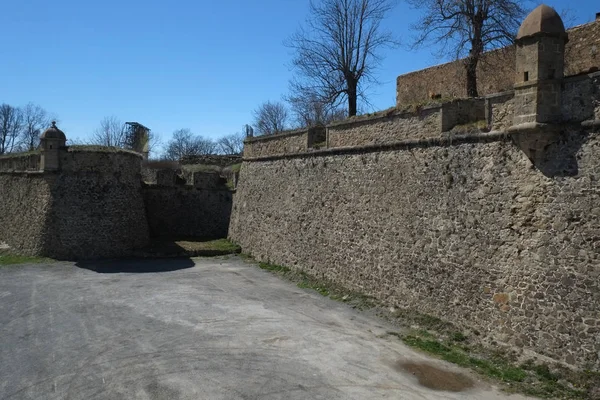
x: 471, y: 67
x: 352, y: 94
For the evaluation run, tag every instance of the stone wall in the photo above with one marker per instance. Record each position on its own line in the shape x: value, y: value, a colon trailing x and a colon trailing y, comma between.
x: 25, y: 201
x: 20, y: 161
x: 385, y: 127
x: 500, y: 110
x: 496, y: 73
x: 283, y: 143
x: 470, y: 232
x: 184, y: 211
x: 92, y: 208
x: 461, y: 112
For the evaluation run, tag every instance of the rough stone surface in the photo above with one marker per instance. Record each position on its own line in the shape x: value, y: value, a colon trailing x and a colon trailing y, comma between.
x: 92, y: 208
x: 500, y: 111
x: 421, y: 124
x: 496, y: 72
x: 472, y: 233
x: 288, y: 142
x: 187, y: 211
x: 25, y: 200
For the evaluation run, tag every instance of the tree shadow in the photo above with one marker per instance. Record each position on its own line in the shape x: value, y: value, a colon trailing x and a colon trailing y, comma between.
x: 137, y: 265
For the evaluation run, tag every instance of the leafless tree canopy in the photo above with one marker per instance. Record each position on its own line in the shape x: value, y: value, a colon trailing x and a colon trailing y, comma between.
x: 338, y: 49
x: 110, y: 133
x: 35, y: 120
x: 11, y: 124
x: 270, y: 118
x: 468, y: 28
x: 185, y: 143
x: 231, y: 144
x: 311, y: 111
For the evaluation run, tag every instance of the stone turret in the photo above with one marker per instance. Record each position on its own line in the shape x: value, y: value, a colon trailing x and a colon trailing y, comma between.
x: 540, y: 47
x: 51, y: 142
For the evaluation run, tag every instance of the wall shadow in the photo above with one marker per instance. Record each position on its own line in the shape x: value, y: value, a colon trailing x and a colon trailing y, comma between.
x: 554, y: 154
x: 138, y: 265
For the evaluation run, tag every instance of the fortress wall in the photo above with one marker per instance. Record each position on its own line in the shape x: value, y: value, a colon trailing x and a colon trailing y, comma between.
x: 581, y: 97
x: 182, y: 211
x: 500, y: 110
x: 283, y: 143
x: 20, y: 161
x: 93, y: 207
x: 386, y: 128
x: 97, y: 205
x: 496, y: 72
x: 470, y: 232
x: 25, y: 200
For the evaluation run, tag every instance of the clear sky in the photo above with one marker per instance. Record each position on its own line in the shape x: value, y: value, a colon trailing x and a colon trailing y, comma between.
x: 203, y: 65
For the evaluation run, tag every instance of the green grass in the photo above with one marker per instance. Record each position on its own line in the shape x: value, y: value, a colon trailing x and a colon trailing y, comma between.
x: 273, y: 267
x: 236, y: 167
x: 222, y: 245
x: 528, y: 378
x: 323, y: 291
x: 9, y: 258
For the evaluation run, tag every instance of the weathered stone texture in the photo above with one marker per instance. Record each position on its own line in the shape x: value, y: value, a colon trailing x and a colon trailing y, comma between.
x: 500, y: 111
x: 424, y: 123
x: 187, y: 212
x: 97, y: 208
x: 92, y: 208
x: 471, y: 233
x: 496, y: 73
x: 284, y: 143
x: 20, y: 162
x: 25, y: 200
x: 462, y: 111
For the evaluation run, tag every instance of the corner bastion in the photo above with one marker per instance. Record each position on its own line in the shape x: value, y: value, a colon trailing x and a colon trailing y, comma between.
x: 89, y: 204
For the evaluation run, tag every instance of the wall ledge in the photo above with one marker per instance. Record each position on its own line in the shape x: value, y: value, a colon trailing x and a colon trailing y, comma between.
x: 447, y: 140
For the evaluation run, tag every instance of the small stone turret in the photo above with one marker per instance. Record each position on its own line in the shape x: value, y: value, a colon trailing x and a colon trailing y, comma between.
x: 51, y: 142
x: 540, y: 46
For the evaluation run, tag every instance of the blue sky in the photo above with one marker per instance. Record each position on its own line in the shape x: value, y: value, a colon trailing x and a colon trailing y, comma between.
x: 203, y: 65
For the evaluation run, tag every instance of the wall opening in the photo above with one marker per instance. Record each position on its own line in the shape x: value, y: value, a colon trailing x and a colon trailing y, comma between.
x: 526, y: 76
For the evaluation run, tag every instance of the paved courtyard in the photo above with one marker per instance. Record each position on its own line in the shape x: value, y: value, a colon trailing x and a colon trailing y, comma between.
x: 193, y: 329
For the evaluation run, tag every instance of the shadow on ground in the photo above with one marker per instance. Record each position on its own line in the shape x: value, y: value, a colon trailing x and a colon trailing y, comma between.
x: 136, y: 265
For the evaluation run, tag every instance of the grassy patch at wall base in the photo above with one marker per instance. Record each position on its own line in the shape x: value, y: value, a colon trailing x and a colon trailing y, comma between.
x: 9, y: 258
x: 529, y: 378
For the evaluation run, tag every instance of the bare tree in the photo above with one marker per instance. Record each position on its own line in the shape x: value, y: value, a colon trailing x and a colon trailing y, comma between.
x: 11, y: 124
x: 185, y: 143
x: 270, y: 118
x: 231, y: 144
x: 35, y: 120
x: 339, y: 48
x: 311, y: 111
x: 110, y: 133
x: 468, y: 27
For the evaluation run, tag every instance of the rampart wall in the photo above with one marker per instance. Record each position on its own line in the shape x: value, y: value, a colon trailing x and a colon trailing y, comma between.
x: 93, y: 207
x: 186, y: 211
x: 476, y: 227
x: 496, y: 72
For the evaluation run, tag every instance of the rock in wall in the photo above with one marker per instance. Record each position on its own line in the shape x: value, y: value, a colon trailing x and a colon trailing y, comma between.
x: 469, y: 232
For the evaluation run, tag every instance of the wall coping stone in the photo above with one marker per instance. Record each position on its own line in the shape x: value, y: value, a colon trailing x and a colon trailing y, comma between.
x: 385, y: 114
x: 262, y: 138
x: 102, y: 149
x: 20, y: 154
